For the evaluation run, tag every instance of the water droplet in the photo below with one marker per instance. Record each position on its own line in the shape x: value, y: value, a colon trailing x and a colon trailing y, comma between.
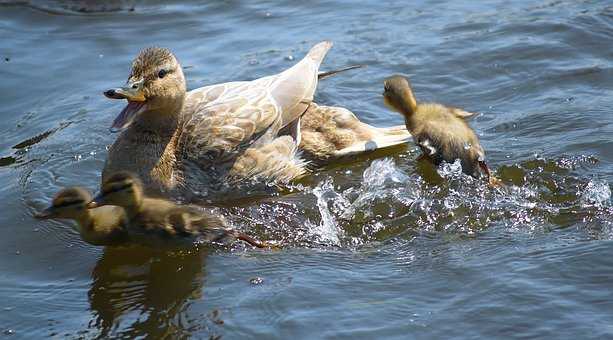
x: 256, y: 280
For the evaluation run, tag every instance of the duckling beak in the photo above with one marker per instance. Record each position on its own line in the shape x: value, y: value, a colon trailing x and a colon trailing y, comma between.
x: 45, y: 214
x: 136, y: 100
x: 96, y: 202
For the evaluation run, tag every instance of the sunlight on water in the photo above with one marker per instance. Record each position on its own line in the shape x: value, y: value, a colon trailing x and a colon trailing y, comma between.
x: 387, y: 196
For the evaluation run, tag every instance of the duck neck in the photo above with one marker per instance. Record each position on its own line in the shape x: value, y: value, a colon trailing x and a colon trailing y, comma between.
x: 407, y: 103
x: 147, y: 148
x: 162, y: 125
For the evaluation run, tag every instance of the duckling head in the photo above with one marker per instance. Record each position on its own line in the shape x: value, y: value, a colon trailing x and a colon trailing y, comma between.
x: 68, y: 203
x: 398, y: 95
x: 121, y: 189
x: 155, y: 88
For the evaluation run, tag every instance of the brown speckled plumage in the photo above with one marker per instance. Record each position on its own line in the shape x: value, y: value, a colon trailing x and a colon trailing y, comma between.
x: 197, y: 143
x: 331, y: 132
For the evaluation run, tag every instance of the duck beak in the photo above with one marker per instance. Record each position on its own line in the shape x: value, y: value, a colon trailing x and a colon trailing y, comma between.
x: 98, y: 201
x: 136, y: 101
x: 45, y: 214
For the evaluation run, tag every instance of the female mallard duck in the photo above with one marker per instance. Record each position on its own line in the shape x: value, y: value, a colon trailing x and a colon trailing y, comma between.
x: 215, y: 139
x: 441, y: 132
x: 101, y: 226
x: 224, y: 138
x: 156, y: 222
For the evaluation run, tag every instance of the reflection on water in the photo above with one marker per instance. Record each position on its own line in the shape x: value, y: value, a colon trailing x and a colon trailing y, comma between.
x: 144, y: 292
x: 375, y: 246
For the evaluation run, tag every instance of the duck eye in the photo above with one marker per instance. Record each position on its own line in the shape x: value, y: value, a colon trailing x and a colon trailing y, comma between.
x: 162, y: 73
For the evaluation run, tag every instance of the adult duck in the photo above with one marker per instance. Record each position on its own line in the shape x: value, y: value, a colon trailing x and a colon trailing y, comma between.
x: 213, y: 140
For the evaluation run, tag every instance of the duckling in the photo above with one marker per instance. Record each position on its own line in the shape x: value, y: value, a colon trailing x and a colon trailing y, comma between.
x: 155, y: 221
x: 441, y: 132
x: 100, y: 227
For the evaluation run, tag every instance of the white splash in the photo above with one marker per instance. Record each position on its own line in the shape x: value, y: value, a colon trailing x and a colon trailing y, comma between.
x: 450, y: 170
x: 328, y: 229
x: 378, y: 181
x: 596, y: 193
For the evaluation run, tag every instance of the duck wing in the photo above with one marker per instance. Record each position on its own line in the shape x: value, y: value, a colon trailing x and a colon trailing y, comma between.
x: 219, y: 119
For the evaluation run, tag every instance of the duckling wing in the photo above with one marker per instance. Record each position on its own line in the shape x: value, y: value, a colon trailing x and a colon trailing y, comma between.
x: 461, y: 113
x: 450, y: 141
x: 333, y: 132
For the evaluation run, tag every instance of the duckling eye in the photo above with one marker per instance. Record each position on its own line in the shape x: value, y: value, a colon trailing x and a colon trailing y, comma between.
x: 162, y: 73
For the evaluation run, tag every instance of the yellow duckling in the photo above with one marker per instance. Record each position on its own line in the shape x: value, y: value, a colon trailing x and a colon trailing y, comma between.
x: 441, y: 132
x: 101, y: 226
x: 157, y: 222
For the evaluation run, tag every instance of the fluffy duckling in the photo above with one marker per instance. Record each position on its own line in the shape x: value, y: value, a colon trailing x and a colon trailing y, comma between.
x: 101, y: 226
x: 441, y: 132
x: 158, y: 221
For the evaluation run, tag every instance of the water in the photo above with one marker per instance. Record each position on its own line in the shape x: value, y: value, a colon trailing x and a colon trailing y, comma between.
x: 377, y: 247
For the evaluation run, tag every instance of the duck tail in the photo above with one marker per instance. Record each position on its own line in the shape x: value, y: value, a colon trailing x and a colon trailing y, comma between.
x: 326, y: 74
x: 293, y: 89
x: 319, y: 51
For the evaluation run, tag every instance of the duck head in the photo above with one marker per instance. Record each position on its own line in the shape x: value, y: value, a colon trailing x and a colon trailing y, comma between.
x: 122, y: 189
x: 156, y: 88
x: 398, y: 96
x: 69, y: 203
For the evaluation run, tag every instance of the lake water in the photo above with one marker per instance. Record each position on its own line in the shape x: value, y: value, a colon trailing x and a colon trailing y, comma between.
x: 372, y: 250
